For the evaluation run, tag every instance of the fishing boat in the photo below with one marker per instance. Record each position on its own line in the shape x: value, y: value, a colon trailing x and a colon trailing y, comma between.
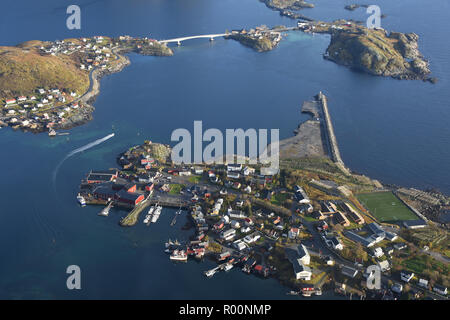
x: 149, y: 215
x: 81, y: 200
x: 51, y: 133
x: 105, y: 211
x: 156, y: 213
x: 210, y: 273
x: 178, y: 255
x: 228, y: 267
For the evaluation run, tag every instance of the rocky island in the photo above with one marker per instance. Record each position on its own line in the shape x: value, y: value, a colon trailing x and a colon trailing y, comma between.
x: 287, y: 8
x: 379, y: 53
x: 374, y: 51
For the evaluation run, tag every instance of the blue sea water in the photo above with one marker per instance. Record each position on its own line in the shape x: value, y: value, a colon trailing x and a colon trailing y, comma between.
x: 395, y: 131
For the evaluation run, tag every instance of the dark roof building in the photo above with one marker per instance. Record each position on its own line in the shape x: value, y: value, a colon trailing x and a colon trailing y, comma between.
x: 130, y: 198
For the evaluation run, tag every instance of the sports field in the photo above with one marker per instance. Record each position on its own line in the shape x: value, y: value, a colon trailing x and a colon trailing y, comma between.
x: 385, y: 206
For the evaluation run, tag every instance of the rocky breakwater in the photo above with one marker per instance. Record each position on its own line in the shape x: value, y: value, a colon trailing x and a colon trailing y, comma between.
x: 332, y: 142
x: 379, y: 53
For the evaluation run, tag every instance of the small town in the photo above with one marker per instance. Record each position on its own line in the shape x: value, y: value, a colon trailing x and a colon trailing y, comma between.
x: 308, y: 230
x: 48, y: 109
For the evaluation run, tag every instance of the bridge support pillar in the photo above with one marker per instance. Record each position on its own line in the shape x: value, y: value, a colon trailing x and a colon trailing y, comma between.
x: 211, y: 39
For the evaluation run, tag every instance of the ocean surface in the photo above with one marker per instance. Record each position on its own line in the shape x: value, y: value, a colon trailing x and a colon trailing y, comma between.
x: 394, y: 131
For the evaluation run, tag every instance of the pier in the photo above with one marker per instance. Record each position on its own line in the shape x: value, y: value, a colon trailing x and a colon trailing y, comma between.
x: 174, y: 220
x: 171, y: 201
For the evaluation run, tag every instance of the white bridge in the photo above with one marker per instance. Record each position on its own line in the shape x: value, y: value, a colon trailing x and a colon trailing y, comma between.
x: 210, y: 36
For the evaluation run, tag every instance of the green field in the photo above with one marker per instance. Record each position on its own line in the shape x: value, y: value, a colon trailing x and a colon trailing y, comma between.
x: 385, y: 206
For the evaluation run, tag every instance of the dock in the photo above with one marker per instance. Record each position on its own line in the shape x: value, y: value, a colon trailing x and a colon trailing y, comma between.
x: 170, y: 201
x: 174, y: 220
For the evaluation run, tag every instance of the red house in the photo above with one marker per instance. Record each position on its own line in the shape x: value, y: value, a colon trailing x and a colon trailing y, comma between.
x: 131, y: 187
x: 129, y: 198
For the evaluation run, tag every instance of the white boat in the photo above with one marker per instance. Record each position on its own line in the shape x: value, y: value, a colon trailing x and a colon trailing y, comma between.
x: 156, y: 213
x: 149, y: 215
x: 210, y: 273
x: 169, y: 243
x: 81, y: 200
x: 178, y: 255
x: 228, y: 267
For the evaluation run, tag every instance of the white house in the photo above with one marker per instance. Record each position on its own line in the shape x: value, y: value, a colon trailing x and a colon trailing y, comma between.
x: 301, y: 271
x: 239, y: 245
x: 378, y: 252
x: 440, y: 289
x: 384, y: 265
x: 397, y: 288
x: 336, y: 244
x: 235, y: 224
x: 423, y: 283
x: 303, y: 254
x: 245, y: 229
x: 406, y: 276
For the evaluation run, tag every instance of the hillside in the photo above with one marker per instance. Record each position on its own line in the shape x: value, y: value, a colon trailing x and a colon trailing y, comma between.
x: 23, y: 69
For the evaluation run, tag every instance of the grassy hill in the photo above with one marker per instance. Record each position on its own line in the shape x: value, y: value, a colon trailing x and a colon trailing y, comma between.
x: 23, y: 69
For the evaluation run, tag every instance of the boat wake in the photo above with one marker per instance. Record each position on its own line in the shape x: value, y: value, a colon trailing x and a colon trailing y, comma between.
x: 78, y: 150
